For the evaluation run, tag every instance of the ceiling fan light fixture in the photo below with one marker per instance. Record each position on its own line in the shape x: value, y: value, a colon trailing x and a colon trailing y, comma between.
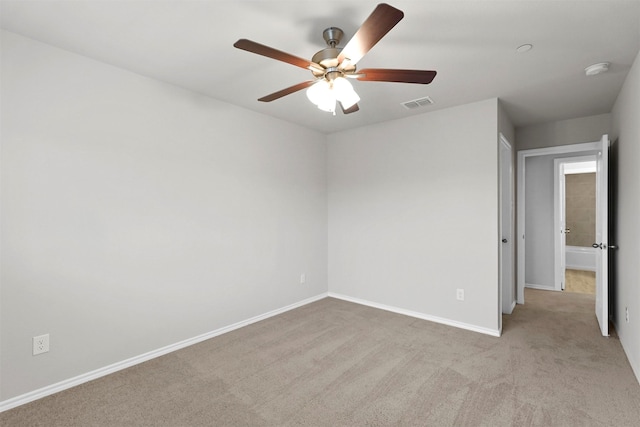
x: 332, y: 64
x: 344, y: 92
x: 324, y: 94
x: 320, y: 95
x: 316, y: 91
x: 328, y: 105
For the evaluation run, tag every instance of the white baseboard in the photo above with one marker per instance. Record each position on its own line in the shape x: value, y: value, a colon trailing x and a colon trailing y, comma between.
x: 513, y: 305
x: 582, y: 267
x: 634, y: 366
x: 543, y: 287
x: 448, y: 322
x: 101, y: 372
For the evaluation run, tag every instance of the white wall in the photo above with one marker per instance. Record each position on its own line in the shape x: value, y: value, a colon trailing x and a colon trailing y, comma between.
x: 563, y: 132
x: 413, y: 214
x: 136, y: 214
x: 626, y: 134
x: 539, y: 246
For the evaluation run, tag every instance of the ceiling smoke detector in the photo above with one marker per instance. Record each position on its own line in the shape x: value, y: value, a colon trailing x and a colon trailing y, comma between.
x: 599, y: 68
x: 524, y: 48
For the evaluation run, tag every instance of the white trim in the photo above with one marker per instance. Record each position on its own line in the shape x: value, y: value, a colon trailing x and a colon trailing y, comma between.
x: 542, y: 287
x: 581, y: 251
x: 503, y: 142
x: 448, y: 322
x: 522, y: 156
x: 559, y: 222
x: 118, y: 366
x: 513, y: 305
x: 580, y: 168
x: 561, y: 149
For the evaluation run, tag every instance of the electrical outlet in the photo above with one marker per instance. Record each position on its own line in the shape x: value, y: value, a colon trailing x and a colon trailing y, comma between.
x: 40, y: 344
x: 626, y: 314
x: 460, y: 294
x: 303, y: 278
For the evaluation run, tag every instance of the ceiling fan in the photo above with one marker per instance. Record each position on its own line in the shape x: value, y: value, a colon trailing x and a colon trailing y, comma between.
x: 333, y: 65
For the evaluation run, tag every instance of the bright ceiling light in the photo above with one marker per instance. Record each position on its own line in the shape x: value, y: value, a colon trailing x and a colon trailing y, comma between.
x: 320, y: 95
x: 345, y: 93
x: 599, y: 68
x: 326, y: 93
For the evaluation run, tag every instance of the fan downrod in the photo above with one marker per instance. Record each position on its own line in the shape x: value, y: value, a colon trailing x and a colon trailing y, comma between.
x: 332, y: 36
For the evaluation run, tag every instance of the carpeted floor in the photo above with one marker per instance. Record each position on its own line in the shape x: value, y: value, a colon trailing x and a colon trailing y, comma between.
x: 580, y: 281
x: 334, y: 363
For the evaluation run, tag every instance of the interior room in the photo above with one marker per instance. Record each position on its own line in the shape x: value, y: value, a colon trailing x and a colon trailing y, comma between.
x: 580, y: 225
x: 172, y: 191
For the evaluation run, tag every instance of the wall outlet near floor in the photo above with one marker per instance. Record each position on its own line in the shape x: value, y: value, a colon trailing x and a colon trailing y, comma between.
x: 303, y: 278
x: 460, y: 294
x: 626, y: 314
x: 40, y: 344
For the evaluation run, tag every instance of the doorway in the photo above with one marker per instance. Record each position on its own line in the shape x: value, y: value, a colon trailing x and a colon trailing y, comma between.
x: 537, y: 265
x: 575, y: 223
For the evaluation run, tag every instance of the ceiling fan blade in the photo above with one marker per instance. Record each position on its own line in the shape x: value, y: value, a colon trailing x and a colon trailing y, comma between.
x: 349, y: 110
x: 380, y: 22
x: 287, y: 91
x: 399, y: 76
x: 269, y: 52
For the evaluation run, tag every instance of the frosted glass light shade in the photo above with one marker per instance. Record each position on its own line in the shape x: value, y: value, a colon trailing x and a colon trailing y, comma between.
x: 344, y: 92
x: 317, y: 92
x: 328, y: 104
x: 324, y: 94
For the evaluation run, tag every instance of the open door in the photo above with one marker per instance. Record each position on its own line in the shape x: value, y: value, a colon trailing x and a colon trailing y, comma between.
x: 602, y: 227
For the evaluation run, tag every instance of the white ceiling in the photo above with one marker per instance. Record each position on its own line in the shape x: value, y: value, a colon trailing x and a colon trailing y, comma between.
x: 472, y: 45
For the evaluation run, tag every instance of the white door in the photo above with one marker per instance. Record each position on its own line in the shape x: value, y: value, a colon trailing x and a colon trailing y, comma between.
x: 507, y: 282
x: 602, y: 224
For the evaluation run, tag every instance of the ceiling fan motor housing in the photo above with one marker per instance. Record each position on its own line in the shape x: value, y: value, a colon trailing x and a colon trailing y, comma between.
x: 328, y: 57
x: 332, y: 36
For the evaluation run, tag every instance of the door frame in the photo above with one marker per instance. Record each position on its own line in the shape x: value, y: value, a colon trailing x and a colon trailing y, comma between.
x: 523, y: 155
x: 506, y: 250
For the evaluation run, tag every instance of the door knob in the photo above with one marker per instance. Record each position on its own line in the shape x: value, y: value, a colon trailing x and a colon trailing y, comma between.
x: 597, y: 245
x: 504, y: 240
x: 613, y: 246
x: 567, y: 231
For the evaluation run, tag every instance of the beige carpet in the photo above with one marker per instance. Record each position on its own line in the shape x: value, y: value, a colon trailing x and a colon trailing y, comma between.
x: 580, y: 281
x: 334, y: 363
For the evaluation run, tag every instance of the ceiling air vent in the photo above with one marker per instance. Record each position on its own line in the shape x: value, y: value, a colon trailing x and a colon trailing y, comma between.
x: 417, y: 103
